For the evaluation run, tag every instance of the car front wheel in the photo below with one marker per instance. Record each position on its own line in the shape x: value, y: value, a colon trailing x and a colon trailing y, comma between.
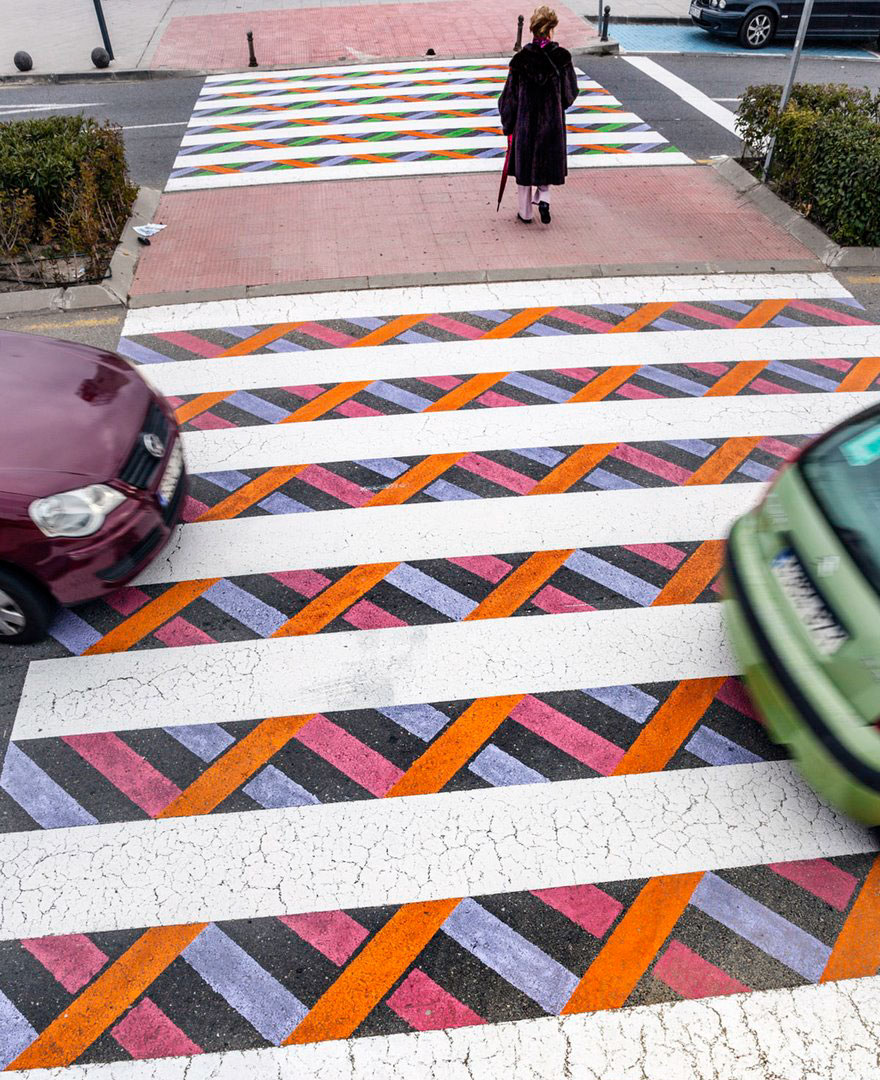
x: 25, y: 609
x: 757, y: 29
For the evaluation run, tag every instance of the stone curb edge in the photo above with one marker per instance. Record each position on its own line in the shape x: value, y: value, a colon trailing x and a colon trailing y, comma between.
x: 832, y: 255
x: 643, y: 20
x: 113, y: 292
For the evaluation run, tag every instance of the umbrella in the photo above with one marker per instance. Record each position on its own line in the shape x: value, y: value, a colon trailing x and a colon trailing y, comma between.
x: 504, y: 172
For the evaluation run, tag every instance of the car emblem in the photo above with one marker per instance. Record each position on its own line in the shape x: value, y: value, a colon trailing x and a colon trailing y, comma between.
x: 153, y: 445
x: 827, y: 564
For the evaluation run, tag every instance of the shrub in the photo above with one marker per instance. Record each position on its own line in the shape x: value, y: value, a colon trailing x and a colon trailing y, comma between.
x: 826, y: 161
x: 64, y: 187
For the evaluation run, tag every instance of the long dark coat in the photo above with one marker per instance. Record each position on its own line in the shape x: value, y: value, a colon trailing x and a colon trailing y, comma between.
x: 541, y: 85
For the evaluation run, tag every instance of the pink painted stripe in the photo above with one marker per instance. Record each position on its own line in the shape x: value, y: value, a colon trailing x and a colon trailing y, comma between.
x: 689, y: 975
x: 426, y: 1006
x: 357, y: 760
x: 650, y: 463
x: 705, y: 316
x: 174, y: 402
x: 577, y: 319
x: 126, y: 601
x: 733, y: 694
x: 133, y: 775
x: 193, y: 509
x: 309, y: 391
x: 334, y: 485
x: 832, y: 362
x: 498, y: 474
x: 488, y: 567
x: 662, y: 554
x: 827, y: 313
x: 71, y: 958
x: 637, y: 393
x: 443, y: 322
x: 781, y: 449
x: 573, y: 739
x: 582, y: 374
x: 555, y: 602
x: 366, y: 615
x: 196, y: 345
x: 147, y: 1032
x: 710, y: 367
x: 821, y: 878
x: 493, y: 400
x: 333, y: 933
x: 442, y: 382
x: 764, y: 386
x: 324, y: 333
x: 587, y: 906
x: 307, y: 583
x: 180, y: 631
x: 209, y: 422
x: 355, y: 408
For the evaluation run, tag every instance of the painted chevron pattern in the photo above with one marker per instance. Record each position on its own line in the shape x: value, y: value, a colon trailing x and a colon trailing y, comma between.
x: 435, y: 965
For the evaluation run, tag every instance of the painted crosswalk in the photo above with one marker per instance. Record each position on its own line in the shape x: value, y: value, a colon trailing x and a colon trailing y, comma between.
x: 380, y: 121
x: 441, y: 630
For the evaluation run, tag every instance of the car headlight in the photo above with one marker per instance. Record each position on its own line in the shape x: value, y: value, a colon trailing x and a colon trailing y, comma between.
x: 722, y: 4
x: 75, y: 513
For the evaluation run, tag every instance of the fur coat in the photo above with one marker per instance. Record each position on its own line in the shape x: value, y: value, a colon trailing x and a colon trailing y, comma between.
x: 541, y: 85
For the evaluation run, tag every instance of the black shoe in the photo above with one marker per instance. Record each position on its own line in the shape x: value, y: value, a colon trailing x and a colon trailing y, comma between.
x: 524, y: 220
x: 544, y: 211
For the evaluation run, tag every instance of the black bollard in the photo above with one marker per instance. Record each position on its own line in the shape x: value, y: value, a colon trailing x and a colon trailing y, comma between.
x: 252, y: 61
x: 519, y: 30
x: 102, y: 26
x: 605, y: 19
x: 23, y: 61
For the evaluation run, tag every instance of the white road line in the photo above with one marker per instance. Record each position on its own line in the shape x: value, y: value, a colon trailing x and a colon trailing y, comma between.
x: 694, y: 97
x: 142, y: 127
x: 419, y: 434
x: 829, y: 1031
x: 345, y: 855
x: 247, y: 680
x: 403, y: 146
x: 353, y: 69
x: 427, y: 83
x: 54, y: 107
x: 300, y: 175
x: 489, y: 90
x: 505, y: 295
x: 282, y: 82
x: 269, y: 369
x: 263, y: 545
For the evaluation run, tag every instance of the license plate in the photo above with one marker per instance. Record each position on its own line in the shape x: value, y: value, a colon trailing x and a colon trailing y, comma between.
x: 170, y: 480
x: 695, y: 10
x: 827, y: 633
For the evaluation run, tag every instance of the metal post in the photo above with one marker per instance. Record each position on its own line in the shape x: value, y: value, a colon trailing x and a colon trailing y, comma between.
x: 605, y: 20
x: 102, y: 25
x: 599, y: 20
x: 519, y: 30
x: 252, y: 56
x: 792, y: 72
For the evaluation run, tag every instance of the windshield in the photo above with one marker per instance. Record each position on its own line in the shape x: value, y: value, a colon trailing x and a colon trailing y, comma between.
x: 843, y: 473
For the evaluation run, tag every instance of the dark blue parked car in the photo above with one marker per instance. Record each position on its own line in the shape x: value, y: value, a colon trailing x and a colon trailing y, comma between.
x: 755, y: 23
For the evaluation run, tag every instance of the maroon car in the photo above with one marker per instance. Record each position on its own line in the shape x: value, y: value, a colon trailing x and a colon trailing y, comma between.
x: 91, y: 478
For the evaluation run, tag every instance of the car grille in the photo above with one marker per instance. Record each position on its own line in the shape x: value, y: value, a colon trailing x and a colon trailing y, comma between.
x: 140, y: 465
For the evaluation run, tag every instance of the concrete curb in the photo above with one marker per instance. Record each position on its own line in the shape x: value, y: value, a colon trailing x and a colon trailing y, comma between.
x: 113, y: 292
x: 644, y: 20
x: 31, y: 78
x: 780, y: 213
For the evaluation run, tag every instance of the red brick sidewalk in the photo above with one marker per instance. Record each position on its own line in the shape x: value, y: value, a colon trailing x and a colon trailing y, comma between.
x: 355, y: 33
x: 345, y: 229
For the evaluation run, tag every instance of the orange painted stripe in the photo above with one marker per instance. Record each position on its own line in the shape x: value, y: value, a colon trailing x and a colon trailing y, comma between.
x: 218, y: 169
x: 635, y: 941
x: 454, y: 748
x: 762, y: 313
x: 325, y: 402
x: 861, y: 374
x: 191, y: 409
x: 694, y: 576
x: 390, y: 330
x: 516, y: 323
x: 416, y: 478
x: 661, y: 737
x: 136, y: 627
x: 335, y: 599
x: 737, y: 378
x: 729, y: 456
x: 104, y: 1001
x: 519, y: 585
x: 466, y: 392
x: 605, y: 383
x: 261, y: 338
x: 343, y: 1007
x: 857, y: 950
x: 251, y: 493
x: 640, y: 318
x: 568, y: 472
x: 237, y: 765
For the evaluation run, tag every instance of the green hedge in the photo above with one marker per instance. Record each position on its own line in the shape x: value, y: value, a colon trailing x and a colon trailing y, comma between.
x: 826, y: 162
x: 64, y: 189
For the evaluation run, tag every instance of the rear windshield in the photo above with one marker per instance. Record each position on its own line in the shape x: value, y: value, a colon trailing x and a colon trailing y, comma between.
x: 843, y: 473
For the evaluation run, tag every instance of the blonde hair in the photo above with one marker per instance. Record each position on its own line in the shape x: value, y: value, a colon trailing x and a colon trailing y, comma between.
x: 543, y: 21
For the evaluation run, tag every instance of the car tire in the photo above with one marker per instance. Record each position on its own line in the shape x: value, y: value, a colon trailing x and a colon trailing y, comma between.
x: 26, y: 609
x: 757, y: 29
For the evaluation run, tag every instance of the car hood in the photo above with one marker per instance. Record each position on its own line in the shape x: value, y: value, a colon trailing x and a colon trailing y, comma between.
x: 70, y: 414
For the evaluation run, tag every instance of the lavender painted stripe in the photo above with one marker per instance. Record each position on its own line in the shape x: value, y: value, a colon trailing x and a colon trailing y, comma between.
x: 508, y: 953
x: 15, y: 1031
x: 537, y: 386
x: 435, y: 594
x: 612, y: 577
x: 73, y: 632
x: 256, y: 615
x: 423, y: 721
x: 694, y: 446
x: 240, y: 331
x: 670, y: 379
x: 501, y: 769
x: 254, y: 405
x: 398, y: 396
x: 283, y: 345
x: 366, y: 322
x: 716, y: 749
x: 544, y: 455
x: 765, y: 929
x: 388, y: 467
x: 229, y: 481
x: 413, y: 337
x: 256, y: 166
x: 443, y: 491
x: 540, y: 329
x: 733, y: 305
x: 279, y: 503
x: 133, y: 350
x: 493, y: 316
x: 629, y: 700
x: 756, y: 470
x: 206, y: 741
x: 248, y: 988
x: 273, y: 790
x: 616, y: 309
x: 39, y: 796
x: 609, y: 481
x: 784, y: 320
x: 671, y: 324
x: 799, y: 375
x: 410, y: 157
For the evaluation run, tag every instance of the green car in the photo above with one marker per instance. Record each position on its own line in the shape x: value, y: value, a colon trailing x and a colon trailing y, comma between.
x: 803, y: 609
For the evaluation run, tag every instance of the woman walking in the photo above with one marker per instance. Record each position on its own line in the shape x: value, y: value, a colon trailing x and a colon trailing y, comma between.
x: 541, y: 85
